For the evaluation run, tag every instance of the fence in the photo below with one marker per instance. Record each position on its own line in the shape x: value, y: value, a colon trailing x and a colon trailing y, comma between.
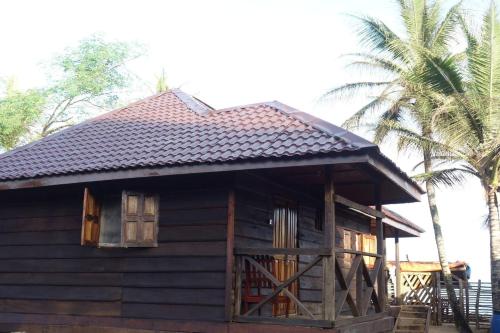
x: 428, y: 289
x: 475, y: 301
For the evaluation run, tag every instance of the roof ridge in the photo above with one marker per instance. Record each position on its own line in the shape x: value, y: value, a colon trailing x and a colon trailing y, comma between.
x: 192, y: 103
x: 234, y: 108
x: 78, y: 126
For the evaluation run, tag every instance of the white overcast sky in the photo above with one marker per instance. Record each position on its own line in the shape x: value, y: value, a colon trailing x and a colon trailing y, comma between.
x: 237, y: 52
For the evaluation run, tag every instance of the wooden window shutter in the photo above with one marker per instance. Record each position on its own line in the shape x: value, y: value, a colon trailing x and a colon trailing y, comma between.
x: 90, y: 219
x: 370, y: 246
x: 347, y: 238
x: 140, y: 219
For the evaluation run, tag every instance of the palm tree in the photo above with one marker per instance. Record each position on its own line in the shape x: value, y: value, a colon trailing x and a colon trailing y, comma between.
x: 405, y: 101
x: 469, y: 123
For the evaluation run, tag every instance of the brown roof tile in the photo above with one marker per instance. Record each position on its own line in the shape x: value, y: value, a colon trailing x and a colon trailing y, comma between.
x: 173, y: 128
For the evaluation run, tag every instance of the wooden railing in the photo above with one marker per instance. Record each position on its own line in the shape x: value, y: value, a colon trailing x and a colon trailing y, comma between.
x: 356, y: 287
x: 362, y: 294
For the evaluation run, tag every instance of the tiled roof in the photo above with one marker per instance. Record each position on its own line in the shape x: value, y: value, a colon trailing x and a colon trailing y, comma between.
x: 173, y: 128
x: 401, y: 219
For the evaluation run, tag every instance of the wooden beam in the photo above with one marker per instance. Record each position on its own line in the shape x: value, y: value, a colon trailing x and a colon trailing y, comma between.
x: 368, y: 254
x: 359, y: 207
x: 329, y: 242
x: 178, y: 170
x: 381, y: 283
x: 228, y: 305
x: 400, y: 226
x: 411, y: 189
x: 251, y: 251
x: 285, y: 321
x: 362, y: 319
x: 238, y: 287
x: 397, y: 286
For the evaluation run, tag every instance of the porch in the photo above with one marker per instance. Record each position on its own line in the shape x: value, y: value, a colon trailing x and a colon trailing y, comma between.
x: 294, y: 271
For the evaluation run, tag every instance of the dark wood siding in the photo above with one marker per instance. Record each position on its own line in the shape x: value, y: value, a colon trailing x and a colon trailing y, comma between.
x: 44, y: 270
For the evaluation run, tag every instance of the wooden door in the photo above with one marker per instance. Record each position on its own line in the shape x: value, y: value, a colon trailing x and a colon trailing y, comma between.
x: 285, y: 236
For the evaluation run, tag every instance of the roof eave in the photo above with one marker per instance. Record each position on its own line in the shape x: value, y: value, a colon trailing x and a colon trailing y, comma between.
x: 358, y: 157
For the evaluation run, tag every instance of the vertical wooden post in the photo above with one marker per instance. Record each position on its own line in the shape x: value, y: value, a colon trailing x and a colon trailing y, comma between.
x: 398, y: 268
x: 329, y: 242
x: 238, y: 286
x: 381, y: 283
x: 229, y: 256
x: 478, y: 294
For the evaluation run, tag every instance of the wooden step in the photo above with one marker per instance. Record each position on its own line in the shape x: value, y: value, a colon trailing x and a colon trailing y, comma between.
x: 412, y: 321
x: 414, y: 328
x: 420, y: 306
x: 411, y: 314
x: 414, y: 308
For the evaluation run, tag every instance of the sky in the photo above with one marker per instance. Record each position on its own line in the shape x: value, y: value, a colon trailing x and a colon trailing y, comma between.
x: 238, y: 52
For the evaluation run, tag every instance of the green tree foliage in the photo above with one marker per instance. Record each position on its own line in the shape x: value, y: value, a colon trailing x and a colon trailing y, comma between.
x: 90, y: 75
x: 407, y: 93
x: 19, y: 110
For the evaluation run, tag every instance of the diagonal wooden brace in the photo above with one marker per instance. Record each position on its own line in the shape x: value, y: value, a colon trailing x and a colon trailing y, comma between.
x: 281, y: 286
x: 345, y: 283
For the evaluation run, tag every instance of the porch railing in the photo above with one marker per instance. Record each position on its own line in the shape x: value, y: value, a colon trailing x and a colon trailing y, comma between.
x: 355, y: 285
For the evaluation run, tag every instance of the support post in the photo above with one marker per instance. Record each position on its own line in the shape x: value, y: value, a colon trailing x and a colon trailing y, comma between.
x: 381, y: 283
x: 397, y: 288
x: 229, y: 257
x: 478, y: 295
x: 329, y: 243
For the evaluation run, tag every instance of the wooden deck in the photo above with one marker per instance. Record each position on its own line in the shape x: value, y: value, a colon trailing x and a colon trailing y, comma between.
x: 11, y: 322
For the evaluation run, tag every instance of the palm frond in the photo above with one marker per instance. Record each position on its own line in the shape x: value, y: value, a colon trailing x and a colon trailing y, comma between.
x: 350, y: 89
x: 445, y: 177
x: 445, y: 31
x: 380, y: 38
x: 388, y: 65
x: 354, y: 121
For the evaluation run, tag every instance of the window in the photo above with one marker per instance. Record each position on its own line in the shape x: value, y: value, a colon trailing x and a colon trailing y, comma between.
x: 348, y: 246
x: 358, y: 241
x: 370, y: 246
x: 126, y: 220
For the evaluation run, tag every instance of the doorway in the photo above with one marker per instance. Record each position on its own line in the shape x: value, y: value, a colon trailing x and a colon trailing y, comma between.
x: 285, y: 236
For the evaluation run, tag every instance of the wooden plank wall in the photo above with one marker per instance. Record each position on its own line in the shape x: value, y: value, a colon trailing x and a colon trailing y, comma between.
x: 44, y: 270
x: 254, y: 206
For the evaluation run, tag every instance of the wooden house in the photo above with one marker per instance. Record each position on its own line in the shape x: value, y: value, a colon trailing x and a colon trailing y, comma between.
x: 170, y: 216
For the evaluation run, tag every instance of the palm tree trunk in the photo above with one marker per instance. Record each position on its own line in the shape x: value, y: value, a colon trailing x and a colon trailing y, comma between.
x: 458, y: 316
x: 494, y: 248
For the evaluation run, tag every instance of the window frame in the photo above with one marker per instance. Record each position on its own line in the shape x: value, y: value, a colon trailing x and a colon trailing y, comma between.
x: 92, y: 207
